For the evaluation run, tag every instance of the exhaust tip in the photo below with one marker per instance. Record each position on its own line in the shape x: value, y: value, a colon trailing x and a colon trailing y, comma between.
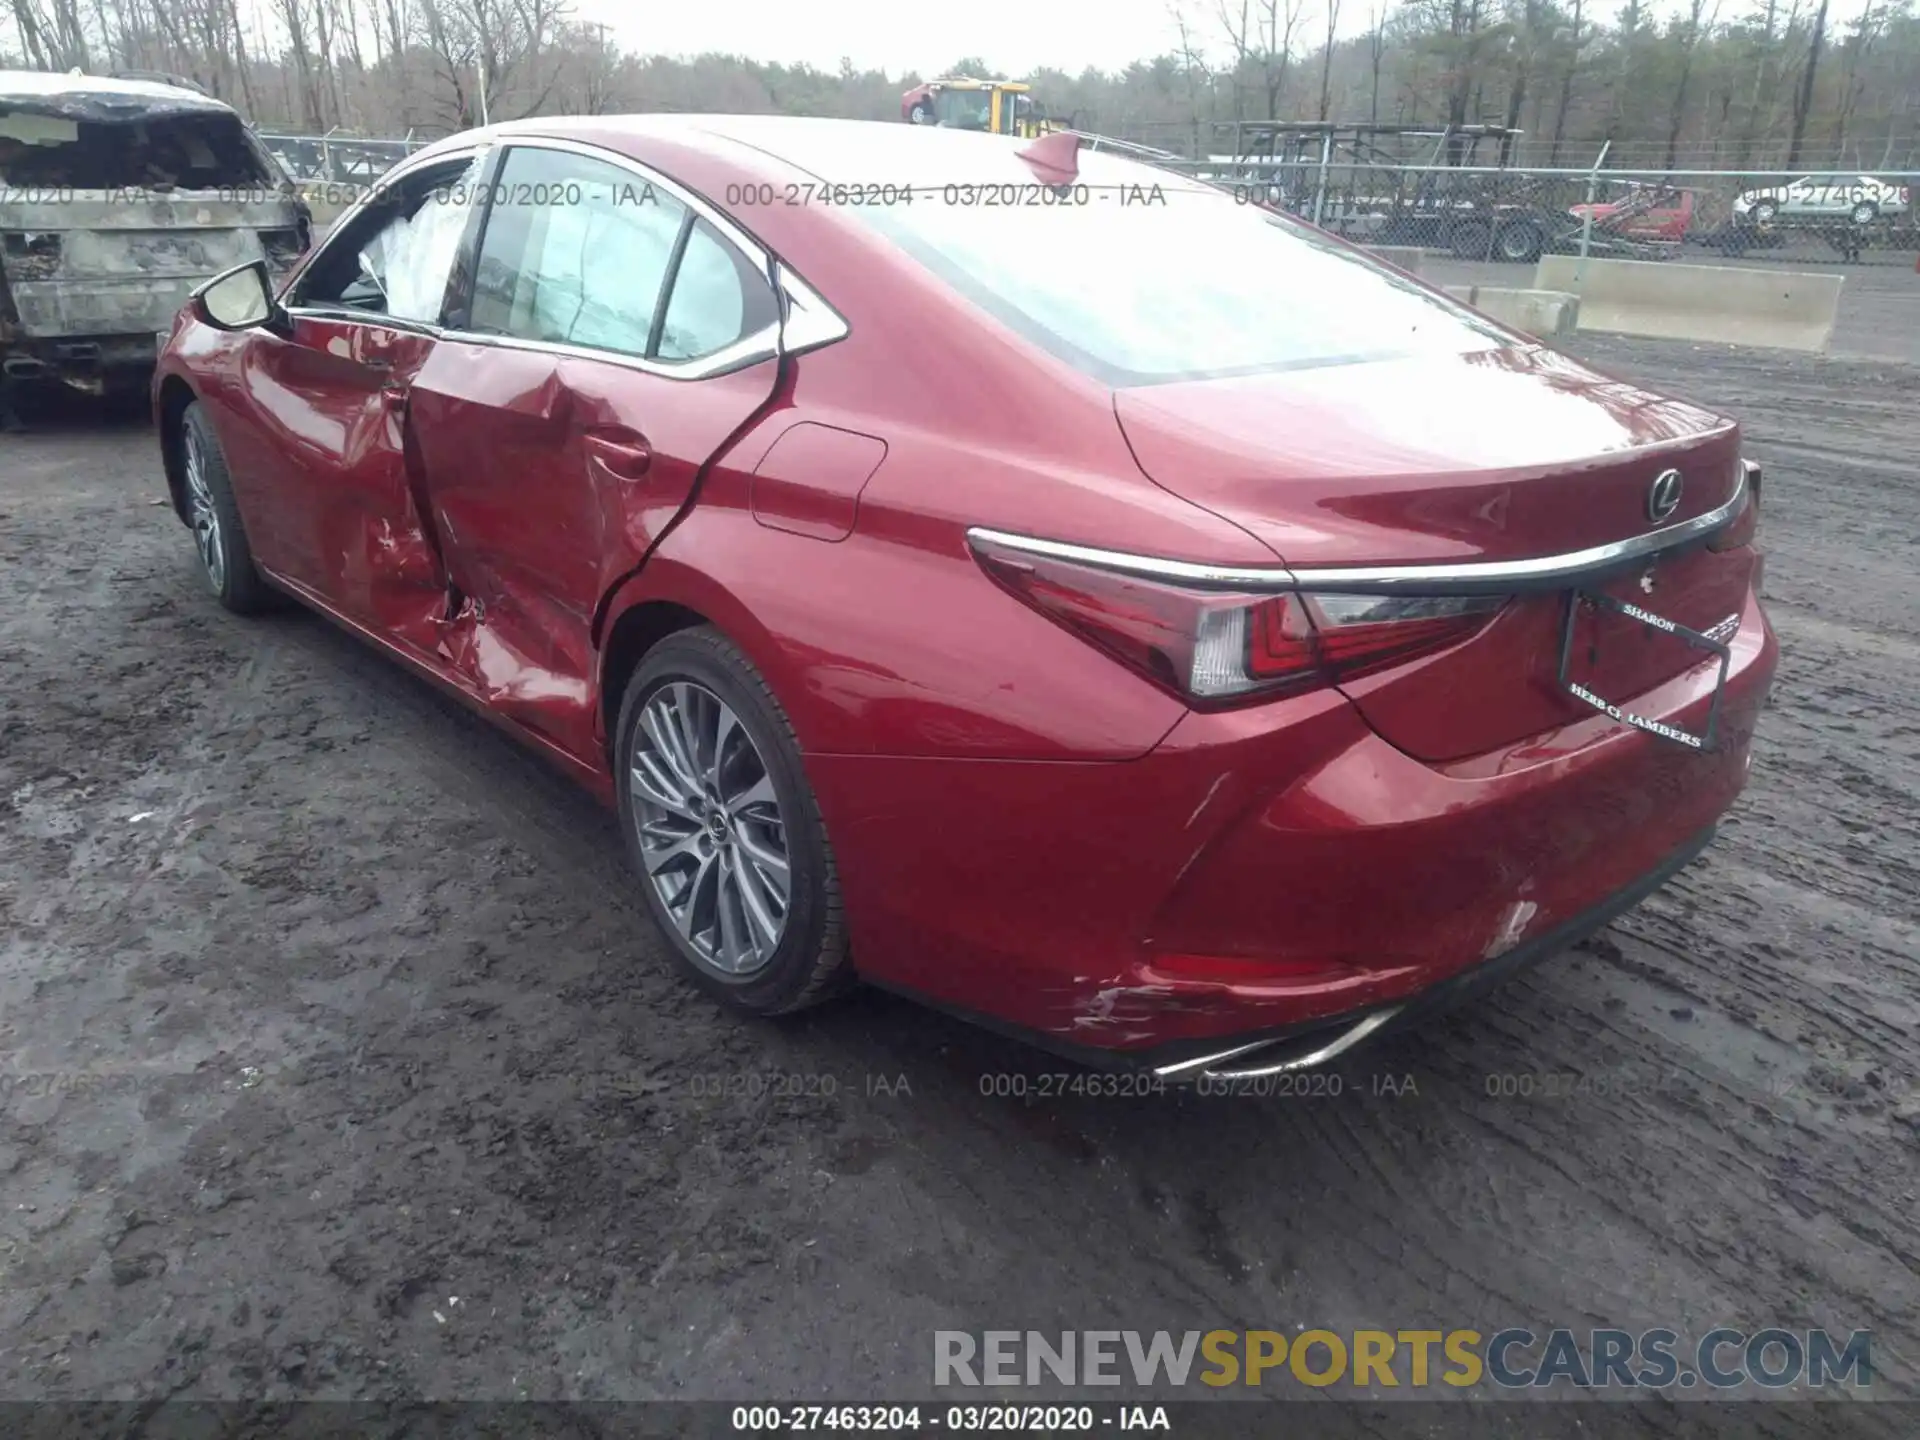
x: 1278, y: 1056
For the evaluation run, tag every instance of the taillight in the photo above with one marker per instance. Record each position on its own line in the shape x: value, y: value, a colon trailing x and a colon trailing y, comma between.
x: 1746, y: 525
x: 1214, y: 648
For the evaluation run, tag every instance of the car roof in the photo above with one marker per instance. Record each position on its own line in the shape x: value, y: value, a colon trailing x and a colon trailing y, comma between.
x: 841, y: 152
x: 42, y: 88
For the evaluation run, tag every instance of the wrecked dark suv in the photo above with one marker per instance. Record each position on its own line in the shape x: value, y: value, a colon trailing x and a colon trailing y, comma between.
x: 117, y: 198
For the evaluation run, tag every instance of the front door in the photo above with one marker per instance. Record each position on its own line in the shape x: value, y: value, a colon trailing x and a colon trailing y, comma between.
x: 329, y: 411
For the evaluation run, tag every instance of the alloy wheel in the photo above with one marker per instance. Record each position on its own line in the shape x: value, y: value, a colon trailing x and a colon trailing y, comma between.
x: 203, y: 514
x: 712, y: 839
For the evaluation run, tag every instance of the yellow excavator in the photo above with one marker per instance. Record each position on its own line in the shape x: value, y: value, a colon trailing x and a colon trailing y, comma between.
x: 962, y: 102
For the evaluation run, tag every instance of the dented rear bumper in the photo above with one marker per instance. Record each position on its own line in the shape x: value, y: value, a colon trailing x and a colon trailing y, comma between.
x: 1273, y: 871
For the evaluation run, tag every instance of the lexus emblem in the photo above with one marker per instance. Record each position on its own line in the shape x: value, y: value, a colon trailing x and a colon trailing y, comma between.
x: 1663, y: 496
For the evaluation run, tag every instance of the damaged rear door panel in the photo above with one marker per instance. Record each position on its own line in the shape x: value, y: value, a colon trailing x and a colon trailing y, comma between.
x: 612, y: 345
x: 117, y: 198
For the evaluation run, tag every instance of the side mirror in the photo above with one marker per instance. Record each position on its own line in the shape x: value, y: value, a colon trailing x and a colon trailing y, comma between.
x: 237, y: 299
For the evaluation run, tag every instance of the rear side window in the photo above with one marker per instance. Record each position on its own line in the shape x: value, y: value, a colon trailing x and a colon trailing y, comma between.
x: 717, y: 299
x: 1139, y: 277
x: 576, y: 251
x: 579, y: 251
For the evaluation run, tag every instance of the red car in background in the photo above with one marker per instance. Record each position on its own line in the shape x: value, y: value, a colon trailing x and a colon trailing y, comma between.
x: 1644, y: 213
x: 1196, y: 666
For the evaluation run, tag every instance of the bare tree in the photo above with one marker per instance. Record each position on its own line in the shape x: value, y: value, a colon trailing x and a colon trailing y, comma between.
x: 1377, y: 13
x: 1326, y: 58
x: 1689, y: 42
x: 1659, y: 78
x: 1803, y: 101
x: 1194, y: 72
x: 489, y: 54
x: 1260, y: 33
x: 1568, y: 75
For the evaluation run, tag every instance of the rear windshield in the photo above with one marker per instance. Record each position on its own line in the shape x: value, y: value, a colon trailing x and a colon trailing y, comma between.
x: 1149, y: 279
x: 187, y: 152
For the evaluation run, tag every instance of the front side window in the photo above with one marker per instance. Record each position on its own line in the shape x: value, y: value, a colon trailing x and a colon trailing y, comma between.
x: 397, y: 255
x: 576, y: 251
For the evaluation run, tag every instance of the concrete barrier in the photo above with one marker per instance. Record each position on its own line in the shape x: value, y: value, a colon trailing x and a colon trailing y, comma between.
x: 1785, y: 310
x: 1543, y: 313
x: 1407, y: 257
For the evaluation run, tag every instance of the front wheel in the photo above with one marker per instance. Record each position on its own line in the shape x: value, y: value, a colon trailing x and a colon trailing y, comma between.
x: 226, y: 557
x: 1766, y: 212
x: 723, y: 828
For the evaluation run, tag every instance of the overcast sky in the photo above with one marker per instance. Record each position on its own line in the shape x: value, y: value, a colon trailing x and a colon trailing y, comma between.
x: 895, y: 35
x: 1012, y: 36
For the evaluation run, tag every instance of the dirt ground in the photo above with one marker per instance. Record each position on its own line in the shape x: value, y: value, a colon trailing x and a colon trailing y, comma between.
x: 340, y: 1060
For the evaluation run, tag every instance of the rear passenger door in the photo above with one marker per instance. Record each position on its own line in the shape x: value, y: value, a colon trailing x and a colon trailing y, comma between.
x: 617, y: 333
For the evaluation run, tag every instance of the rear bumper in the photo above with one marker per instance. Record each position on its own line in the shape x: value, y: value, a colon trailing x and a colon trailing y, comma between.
x: 1267, y: 872
x: 1302, y: 1047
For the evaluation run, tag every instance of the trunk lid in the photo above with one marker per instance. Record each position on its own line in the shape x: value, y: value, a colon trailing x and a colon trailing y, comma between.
x: 1505, y: 454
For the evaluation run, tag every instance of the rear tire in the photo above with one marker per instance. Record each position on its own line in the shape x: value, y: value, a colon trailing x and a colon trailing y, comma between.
x: 715, y: 806
x: 219, y: 535
x: 1865, y: 213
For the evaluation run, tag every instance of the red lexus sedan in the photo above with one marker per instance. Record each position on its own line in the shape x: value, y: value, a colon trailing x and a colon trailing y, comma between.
x: 1019, y: 578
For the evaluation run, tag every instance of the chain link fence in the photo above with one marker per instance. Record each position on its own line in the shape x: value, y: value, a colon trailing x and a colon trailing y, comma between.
x: 1489, y: 213
x: 1515, y: 215
x: 337, y: 157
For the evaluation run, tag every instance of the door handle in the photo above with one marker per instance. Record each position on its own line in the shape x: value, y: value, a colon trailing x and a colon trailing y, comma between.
x: 394, y: 397
x: 626, y: 456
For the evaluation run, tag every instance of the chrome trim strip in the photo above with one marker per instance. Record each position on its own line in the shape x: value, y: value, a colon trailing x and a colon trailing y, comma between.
x: 1206, y: 577
x: 747, y: 350
x: 347, y: 315
x: 1491, y: 577
x: 1206, y: 1067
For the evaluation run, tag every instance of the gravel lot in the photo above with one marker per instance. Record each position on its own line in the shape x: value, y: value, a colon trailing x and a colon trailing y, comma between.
x: 340, y: 1059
